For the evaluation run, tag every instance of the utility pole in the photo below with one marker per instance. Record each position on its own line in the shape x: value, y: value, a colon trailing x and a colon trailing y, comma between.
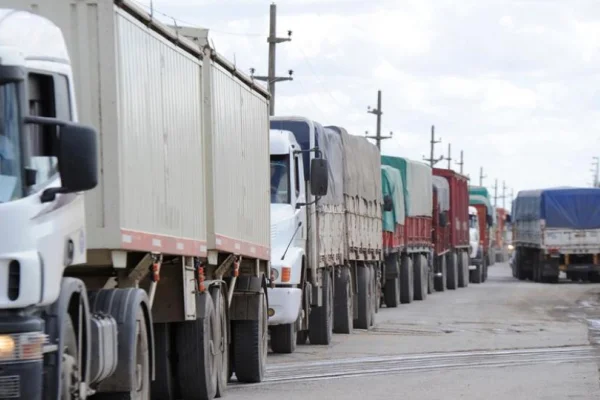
x: 481, y: 176
x: 504, y: 194
x: 461, y: 162
x: 273, y: 41
x: 496, y: 193
x: 431, y: 159
x: 449, y: 158
x: 377, y: 111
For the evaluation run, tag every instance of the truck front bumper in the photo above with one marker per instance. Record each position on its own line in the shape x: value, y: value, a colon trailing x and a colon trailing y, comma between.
x: 284, y: 305
x: 21, y: 363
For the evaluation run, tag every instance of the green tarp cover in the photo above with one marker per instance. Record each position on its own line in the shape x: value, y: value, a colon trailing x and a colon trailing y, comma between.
x: 392, y: 185
x: 479, y: 199
x: 479, y: 190
x: 401, y: 165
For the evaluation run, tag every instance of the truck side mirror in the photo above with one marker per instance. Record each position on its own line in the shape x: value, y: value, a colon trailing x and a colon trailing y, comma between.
x: 508, y: 219
x: 388, y: 204
x: 490, y: 220
x: 319, y: 176
x: 443, y: 219
x: 77, y: 160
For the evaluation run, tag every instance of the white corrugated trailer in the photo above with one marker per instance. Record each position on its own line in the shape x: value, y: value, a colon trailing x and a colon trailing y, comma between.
x: 183, y: 195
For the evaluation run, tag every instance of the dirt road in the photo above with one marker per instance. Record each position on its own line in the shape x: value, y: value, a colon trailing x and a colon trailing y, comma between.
x: 503, y: 339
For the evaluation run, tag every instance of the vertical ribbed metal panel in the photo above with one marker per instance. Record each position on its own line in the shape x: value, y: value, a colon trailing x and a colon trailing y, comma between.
x: 160, y: 107
x: 241, y: 160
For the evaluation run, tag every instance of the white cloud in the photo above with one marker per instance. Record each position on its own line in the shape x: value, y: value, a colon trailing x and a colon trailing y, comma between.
x: 513, y: 83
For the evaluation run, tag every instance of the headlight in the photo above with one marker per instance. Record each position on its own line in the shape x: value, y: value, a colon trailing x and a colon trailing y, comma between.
x: 22, y: 346
x: 7, y: 347
x: 511, y: 247
x: 274, y: 274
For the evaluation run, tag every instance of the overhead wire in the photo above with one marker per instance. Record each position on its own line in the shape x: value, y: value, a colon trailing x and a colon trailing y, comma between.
x: 154, y: 10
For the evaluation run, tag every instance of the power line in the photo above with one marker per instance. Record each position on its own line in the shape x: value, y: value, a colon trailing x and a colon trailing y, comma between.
x: 153, y: 11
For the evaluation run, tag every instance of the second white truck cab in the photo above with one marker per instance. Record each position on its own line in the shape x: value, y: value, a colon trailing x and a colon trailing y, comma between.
x: 290, y: 293
x: 474, y: 246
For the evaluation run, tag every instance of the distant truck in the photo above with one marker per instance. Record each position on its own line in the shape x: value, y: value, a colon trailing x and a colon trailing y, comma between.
x: 481, y: 249
x: 554, y: 230
x: 457, y: 225
x: 501, y: 237
x: 327, y: 263
x: 413, y: 260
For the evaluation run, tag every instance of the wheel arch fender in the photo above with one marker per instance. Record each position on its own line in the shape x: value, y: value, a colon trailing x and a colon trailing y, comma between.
x: 122, y: 305
x: 72, y: 290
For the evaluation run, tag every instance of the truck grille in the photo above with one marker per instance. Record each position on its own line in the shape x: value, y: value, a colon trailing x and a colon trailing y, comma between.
x: 10, y: 387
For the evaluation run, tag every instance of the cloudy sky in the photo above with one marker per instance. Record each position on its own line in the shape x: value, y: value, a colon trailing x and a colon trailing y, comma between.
x: 512, y: 83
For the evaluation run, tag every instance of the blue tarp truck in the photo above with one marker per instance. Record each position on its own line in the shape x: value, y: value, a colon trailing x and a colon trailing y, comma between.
x: 556, y: 230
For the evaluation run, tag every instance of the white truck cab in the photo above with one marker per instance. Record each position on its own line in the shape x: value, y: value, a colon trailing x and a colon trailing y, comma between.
x: 45, y: 161
x: 473, y: 233
x: 287, y: 230
x: 290, y: 292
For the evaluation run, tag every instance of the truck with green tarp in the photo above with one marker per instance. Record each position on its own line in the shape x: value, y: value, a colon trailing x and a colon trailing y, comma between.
x: 408, y: 240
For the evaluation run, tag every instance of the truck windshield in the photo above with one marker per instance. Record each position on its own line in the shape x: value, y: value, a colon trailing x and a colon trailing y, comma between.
x: 280, y: 179
x: 10, y: 163
x: 473, y: 221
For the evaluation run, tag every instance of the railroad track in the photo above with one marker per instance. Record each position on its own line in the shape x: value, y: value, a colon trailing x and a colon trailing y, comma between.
x: 382, y: 365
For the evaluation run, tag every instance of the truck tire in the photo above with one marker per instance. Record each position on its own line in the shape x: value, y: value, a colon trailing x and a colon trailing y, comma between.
x: 283, y: 338
x: 463, y: 269
x: 391, y: 292
x: 117, y: 302
x: 406, y: 280
x: 452, y: 268
x: 374, y: 294
x: 365, y: 306
x: 301, y: 337
x: 197, y: 369
x: 430, y: 276
x: 321, y: 318
x: 484, y: 270
x: 164, y: 384
x: 441, y: 281
x: 377, y: 292
x: 343, y: 310
x: 218, y: 294
x: 476, y: 275
x: 250, y: 345
x: 420, y: 277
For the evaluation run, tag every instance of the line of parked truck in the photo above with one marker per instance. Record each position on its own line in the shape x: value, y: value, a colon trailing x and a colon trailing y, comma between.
x: 363, y: 230
x: 142, y: 253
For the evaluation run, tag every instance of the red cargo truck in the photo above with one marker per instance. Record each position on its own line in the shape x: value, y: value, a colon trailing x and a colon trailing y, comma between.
x: 502, y: 217
x: 445, y: 267
x: 452, y: 240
